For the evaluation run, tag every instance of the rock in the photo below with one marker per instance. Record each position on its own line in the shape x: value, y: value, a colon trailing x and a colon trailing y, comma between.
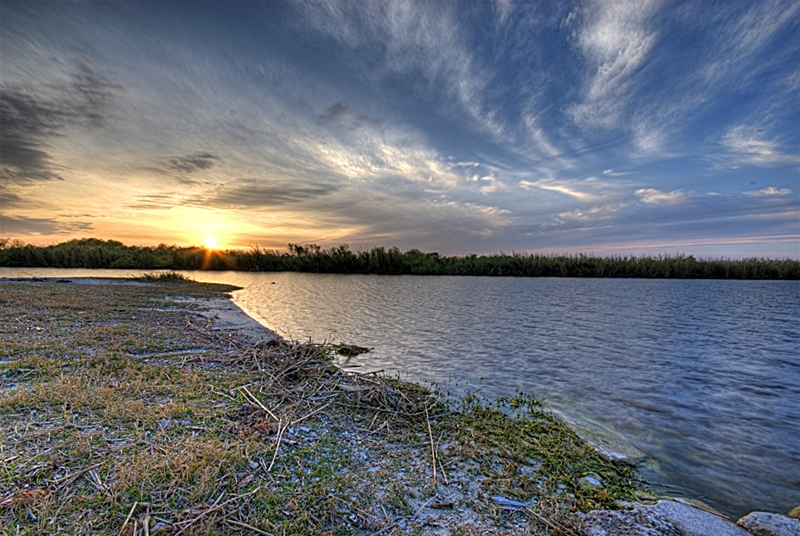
x: 637, y: 521
x: 589, y: 482
x: 508, y: 504
x: 795, y: 513
x: 666, y: 518
x: 767, y: 524
x: 693, y: 521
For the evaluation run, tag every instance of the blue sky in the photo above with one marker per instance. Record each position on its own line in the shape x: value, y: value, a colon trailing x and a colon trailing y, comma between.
x: 458, y: 127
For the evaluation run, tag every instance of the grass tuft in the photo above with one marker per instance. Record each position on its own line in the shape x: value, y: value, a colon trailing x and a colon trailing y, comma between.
x: 165, y: 276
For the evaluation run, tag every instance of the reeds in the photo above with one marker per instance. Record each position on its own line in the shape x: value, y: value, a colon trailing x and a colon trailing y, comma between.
x: 94, y: 253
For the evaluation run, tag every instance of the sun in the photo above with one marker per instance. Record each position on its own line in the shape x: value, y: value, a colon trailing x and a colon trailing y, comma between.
x: 211, y: 243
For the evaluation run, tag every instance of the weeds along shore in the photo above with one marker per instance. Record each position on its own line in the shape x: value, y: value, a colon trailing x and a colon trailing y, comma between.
x: 126, y: 409
x: 96, y: 253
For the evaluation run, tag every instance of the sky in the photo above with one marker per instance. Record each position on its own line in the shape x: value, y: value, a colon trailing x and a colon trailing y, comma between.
x: 608, y: 128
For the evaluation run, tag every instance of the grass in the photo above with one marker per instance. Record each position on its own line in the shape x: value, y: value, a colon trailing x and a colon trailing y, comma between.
x: 164, y: 276
x: 123, y: 412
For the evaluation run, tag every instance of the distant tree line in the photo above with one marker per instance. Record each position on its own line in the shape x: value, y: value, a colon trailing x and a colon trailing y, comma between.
x: 95, y: 253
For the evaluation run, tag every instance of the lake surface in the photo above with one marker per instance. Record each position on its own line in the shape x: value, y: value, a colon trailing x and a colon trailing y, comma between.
x: 701, y: 376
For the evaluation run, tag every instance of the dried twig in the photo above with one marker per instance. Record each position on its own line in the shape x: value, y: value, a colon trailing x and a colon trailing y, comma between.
x: 215, y: 507
x: 433, y: 447
x: 277, y: 445
x: 301, y: 419
x: 251, y: 528
x: 559, y: 528
x: 257, y: 401
x: 69, y: 478
x: 125, y: 524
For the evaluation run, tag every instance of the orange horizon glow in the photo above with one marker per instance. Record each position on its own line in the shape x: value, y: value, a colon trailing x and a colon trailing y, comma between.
x: 211, y: 243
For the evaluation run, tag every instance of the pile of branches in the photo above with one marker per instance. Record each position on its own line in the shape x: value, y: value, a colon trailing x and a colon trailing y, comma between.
x: 304, y: 374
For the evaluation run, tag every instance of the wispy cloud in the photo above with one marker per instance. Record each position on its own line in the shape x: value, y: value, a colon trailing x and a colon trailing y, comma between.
x: 770, y: 191
x: 9, y: 199
x: 193, y: 162
x: 655, y: 197
x: 741, y: 37
x: 612, y: 173
x: 23, y: 225
x: 32, y: 121
x: 261, y: 194
x: 425, y: 41
x: 592, y: 214
x: 154, y: 201
x: 747, y: 146
x: 342, y: 114
x: 573, y: 188
x: 615, y: 42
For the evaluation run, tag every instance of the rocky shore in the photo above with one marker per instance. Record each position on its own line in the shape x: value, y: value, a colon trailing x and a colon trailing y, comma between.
x: 162, y: 408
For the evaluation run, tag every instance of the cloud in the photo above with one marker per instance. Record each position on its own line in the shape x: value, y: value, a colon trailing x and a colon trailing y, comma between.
x: 341, y: 114
x: 540, y: 140
x: 736, y: 55
x: 422, y: 43
x: 255, y: 193
x: 27, y: 124
x: 21, y: 225
x: 770, y: 191
x: 566, y: 187
x: 615, y: 43
x: 90, y: 94
x: 746, y: 146
x: 656, y: 197
x: 31, y: 122
x: 193, y: 162
x: 9, y: 199
x: 590, y: 214
x: 156, y: 201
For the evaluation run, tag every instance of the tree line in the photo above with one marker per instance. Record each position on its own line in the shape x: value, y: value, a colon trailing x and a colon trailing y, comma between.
x: 96, y: 253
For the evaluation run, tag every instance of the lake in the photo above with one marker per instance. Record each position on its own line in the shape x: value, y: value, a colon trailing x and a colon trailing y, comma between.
x: 701, y: 376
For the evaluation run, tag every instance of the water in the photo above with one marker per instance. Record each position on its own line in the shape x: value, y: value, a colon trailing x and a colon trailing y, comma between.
x: 702, y: 376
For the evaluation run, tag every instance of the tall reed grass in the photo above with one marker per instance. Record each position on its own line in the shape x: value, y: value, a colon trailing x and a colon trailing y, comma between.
x: 96, y: 253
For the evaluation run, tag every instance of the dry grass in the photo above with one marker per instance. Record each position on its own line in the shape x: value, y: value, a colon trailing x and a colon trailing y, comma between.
x: 121, y: 413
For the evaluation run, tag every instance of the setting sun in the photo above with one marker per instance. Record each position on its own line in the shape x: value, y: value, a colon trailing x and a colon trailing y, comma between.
x: 211, y: 243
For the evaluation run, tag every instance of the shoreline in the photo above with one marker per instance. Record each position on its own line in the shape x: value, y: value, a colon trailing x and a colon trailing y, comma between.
x: 231, y: 330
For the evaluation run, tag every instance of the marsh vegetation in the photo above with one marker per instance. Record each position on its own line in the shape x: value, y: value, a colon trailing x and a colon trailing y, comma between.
x: 95, y: 253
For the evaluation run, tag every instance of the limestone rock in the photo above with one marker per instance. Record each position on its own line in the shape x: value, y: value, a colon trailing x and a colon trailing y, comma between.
x: 666, y: 518
x: 795, y: 513
x: 767, y: 524
x: 692, y: 521
x: 635, y: 522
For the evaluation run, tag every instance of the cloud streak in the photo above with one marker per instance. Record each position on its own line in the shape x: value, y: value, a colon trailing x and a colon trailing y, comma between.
x: 747, y: 146
x: 193, y: 162
x: 615, y: 43
x: 33, y: 121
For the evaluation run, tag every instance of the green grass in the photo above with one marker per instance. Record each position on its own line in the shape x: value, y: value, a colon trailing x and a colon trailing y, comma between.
x: 165, y: 276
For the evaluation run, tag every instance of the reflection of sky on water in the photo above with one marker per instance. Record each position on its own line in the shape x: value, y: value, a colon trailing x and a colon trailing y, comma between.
x: 703, y: 376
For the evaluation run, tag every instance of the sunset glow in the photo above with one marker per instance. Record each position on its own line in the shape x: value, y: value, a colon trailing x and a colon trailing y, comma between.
x: 211, y: 243
x: 638, y: 127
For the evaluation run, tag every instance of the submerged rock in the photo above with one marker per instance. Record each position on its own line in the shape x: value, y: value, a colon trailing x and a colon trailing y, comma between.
x: 767, y: 524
